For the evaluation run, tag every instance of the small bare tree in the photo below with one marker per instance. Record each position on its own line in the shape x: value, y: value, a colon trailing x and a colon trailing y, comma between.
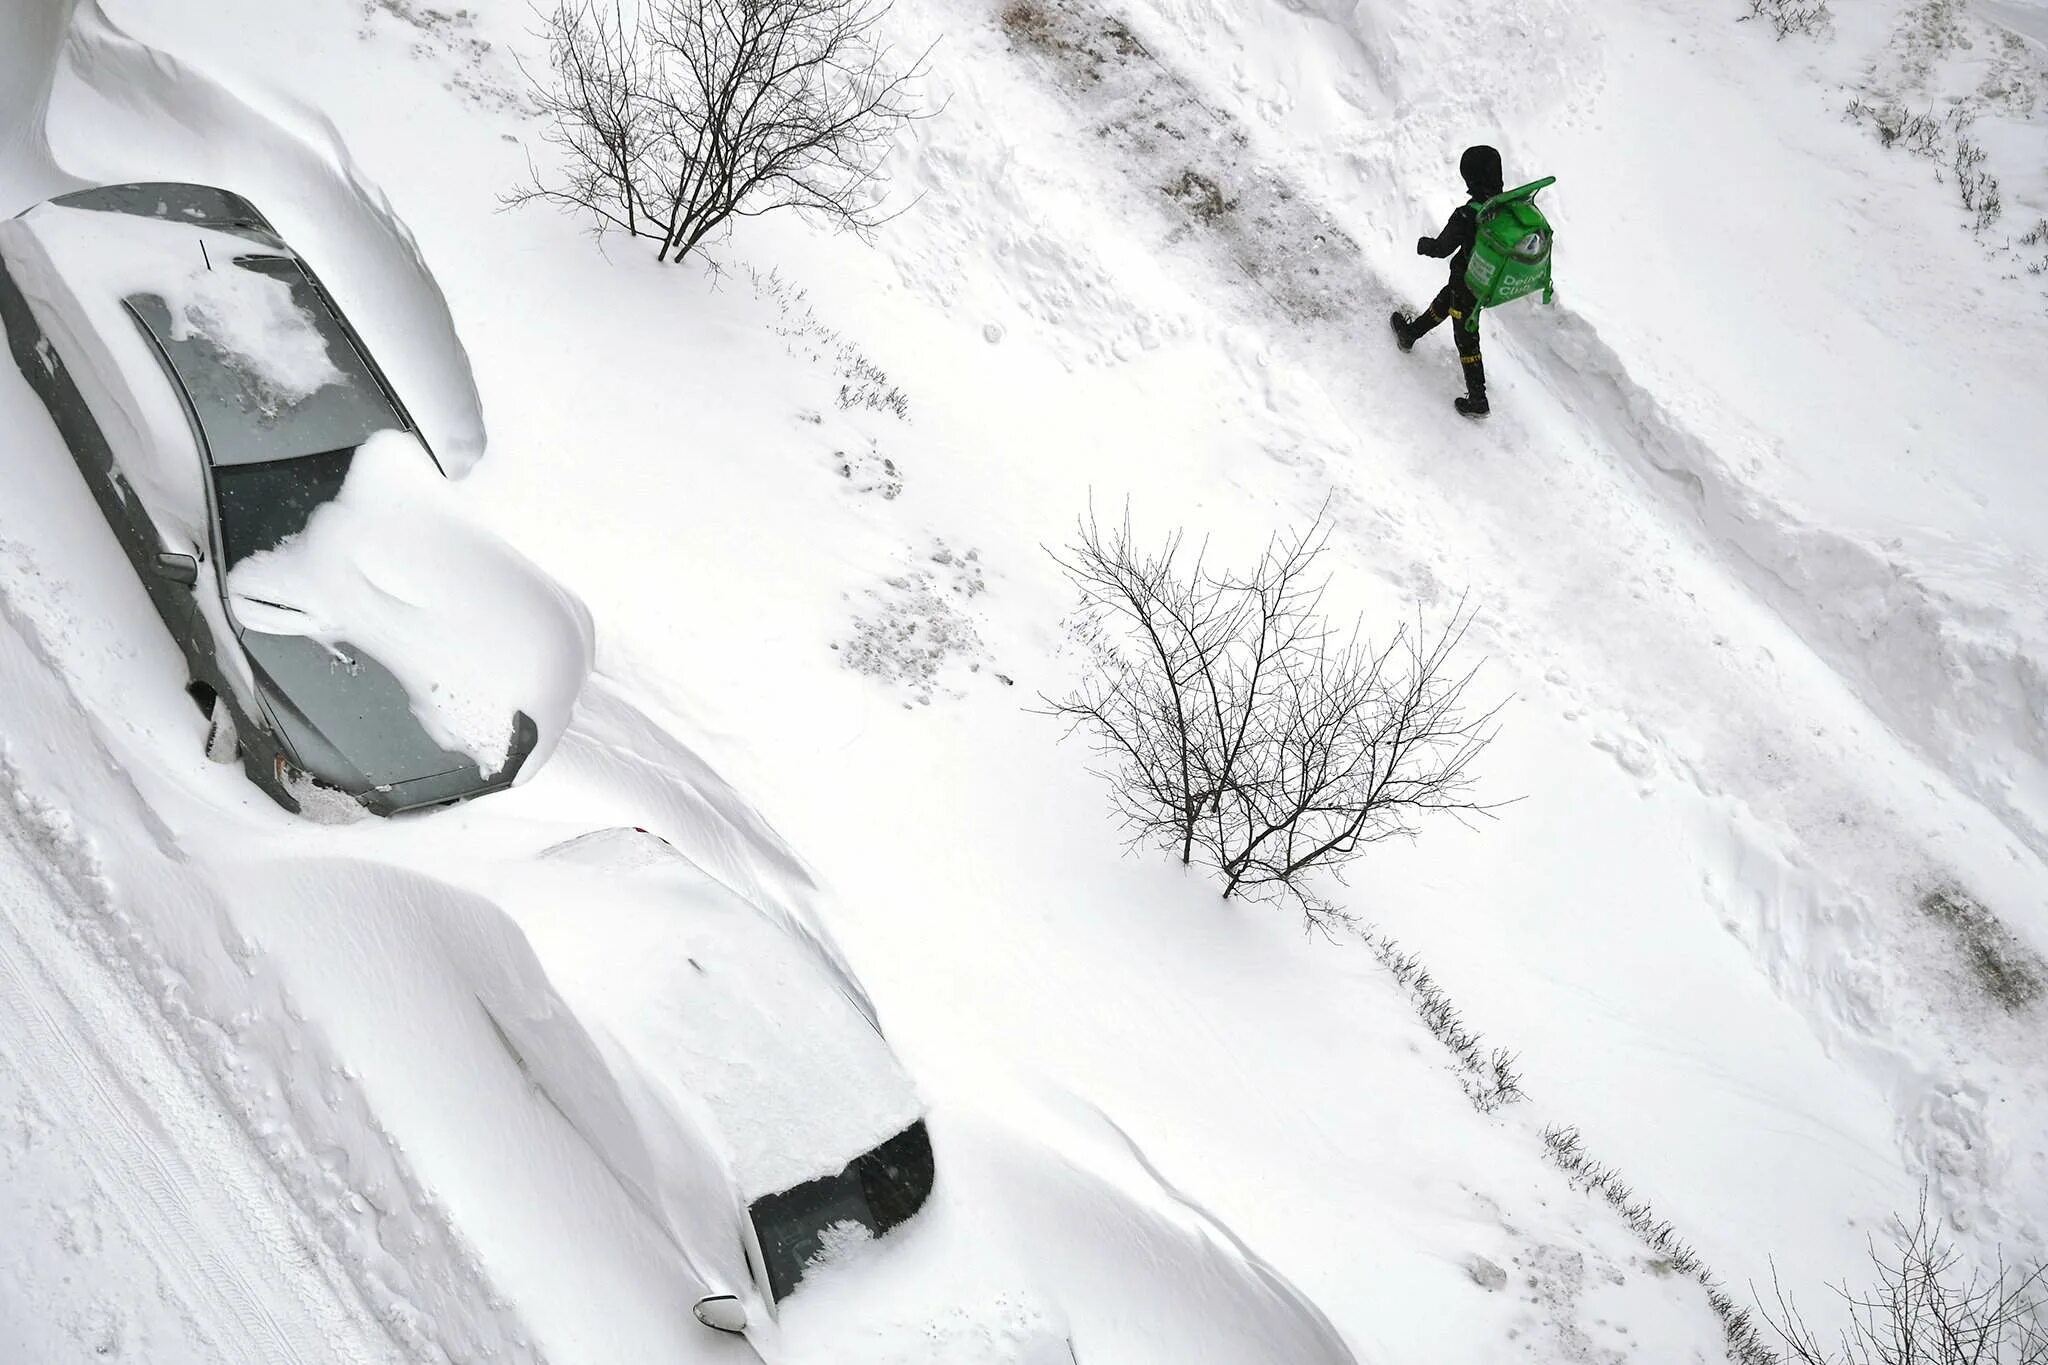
x: 1242, y: 730
x: 677, y: 116
x: 1924, y: 1310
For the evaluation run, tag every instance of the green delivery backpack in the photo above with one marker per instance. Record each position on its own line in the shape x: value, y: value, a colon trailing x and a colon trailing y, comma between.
x: 1510, y: 249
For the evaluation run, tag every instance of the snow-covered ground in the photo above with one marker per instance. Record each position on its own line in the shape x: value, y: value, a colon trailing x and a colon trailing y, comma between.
x: 1754, y: 534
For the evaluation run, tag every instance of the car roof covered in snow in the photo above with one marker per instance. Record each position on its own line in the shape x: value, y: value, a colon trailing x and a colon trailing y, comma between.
x: 266, y: 366
x: 74, y: 266
x: 716, y: 999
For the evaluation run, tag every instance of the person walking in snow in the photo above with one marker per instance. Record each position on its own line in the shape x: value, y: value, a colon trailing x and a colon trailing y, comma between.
x: 1481, y: 168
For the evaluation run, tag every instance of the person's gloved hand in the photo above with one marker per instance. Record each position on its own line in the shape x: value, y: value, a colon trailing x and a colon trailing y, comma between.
x: 1422, y: 245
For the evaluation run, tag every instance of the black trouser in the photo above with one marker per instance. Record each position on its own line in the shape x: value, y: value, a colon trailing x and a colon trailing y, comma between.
x: 1454, y: 301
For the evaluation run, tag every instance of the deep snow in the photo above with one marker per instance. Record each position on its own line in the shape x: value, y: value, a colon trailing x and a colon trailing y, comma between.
x: 1754, y: 535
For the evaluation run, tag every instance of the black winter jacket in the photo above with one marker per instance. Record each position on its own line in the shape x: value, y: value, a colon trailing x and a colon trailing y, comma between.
x: 1480, y: 166
x: 1455, y: 241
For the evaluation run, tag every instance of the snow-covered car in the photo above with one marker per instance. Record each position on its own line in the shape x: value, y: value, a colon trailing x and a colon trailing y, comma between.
x: 788, y: 1134
x: 215, y: 399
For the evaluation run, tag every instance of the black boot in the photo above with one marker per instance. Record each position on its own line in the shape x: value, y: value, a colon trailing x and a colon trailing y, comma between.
x: 1473, y: 404
x: 1402, y: 337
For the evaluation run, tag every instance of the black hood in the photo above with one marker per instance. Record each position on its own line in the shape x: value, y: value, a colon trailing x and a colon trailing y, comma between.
x: 1481, y: 168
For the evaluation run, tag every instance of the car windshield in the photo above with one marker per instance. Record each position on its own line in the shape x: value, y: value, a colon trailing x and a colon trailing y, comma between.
x: 242, y: 415
x: 875, y: 1193
x: 262, y: 505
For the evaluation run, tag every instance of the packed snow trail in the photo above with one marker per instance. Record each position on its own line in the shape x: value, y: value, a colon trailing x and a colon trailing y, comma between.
x: 186, y: 1245
x: 1574, y: 445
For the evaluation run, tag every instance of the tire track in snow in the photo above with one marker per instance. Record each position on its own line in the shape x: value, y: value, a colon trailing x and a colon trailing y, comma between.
x: 342, y: 1218
x: 167, y: 1165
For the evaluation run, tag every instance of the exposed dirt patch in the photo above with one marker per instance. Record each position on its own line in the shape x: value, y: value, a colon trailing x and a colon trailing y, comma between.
x: 2008, y: 971
x: 1198, y: 157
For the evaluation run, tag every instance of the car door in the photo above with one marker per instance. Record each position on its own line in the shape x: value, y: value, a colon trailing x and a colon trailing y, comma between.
x: 43, y: 365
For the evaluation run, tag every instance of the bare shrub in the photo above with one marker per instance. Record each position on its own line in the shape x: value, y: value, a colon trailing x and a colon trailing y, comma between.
x: 1978, y: 187
x: 1787, y: 17
x: 689, y: 114
x: 1944, y: 140
x: 1241, y: 730
x: 1926, y: 1308
x: 2036, y: 236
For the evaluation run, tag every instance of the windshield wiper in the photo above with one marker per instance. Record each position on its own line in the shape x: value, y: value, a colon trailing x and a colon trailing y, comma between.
x: 266, y: 602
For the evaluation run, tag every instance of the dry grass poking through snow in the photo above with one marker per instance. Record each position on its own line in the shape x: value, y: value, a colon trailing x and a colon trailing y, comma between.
x: 1944, y: 139
x: 1943, y: 68
x: 916, y: 629
x: 1787, y: 17
x: 2012, y: 974
x: 862, y: 383
x: 1675, y: 1255
x: 1488, y: 1078
x: 2035, y: 239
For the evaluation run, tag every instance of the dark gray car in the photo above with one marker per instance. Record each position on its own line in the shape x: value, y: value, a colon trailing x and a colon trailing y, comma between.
x: 304, y: 717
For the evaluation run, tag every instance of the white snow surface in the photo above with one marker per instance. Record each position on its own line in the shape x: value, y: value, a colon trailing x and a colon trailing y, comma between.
x: 722, y: 1008
x: 74, y: 268
x: 1755, y: 534
x: 471, y: 629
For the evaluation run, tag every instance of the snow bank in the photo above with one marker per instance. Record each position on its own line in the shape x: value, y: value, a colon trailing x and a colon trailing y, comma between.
x: 124, y: 110
x: 487, y: 1133
x: 471, y: 628
x: 1071, y: 1215
x: 78, y: 265
x: 28, y: 65
x: 934, y: 1292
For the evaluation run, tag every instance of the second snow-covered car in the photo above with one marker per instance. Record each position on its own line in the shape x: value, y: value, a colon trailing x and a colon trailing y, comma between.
x: 749, y: 1034
x: 214, y: 397
x: 787, y: 1134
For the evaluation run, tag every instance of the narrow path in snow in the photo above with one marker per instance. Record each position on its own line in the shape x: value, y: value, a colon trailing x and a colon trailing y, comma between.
x: 1554, y: 507
x: 183, y: 1245
x: 181, y: 1108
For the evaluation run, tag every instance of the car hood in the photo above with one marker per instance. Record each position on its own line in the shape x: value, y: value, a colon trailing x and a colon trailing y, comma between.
x: 347, y: 720
x: 395, y: 567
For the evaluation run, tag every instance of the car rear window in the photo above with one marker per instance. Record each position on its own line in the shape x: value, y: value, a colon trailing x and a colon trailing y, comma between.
x: 874, y: 1194
x: 262, y: 505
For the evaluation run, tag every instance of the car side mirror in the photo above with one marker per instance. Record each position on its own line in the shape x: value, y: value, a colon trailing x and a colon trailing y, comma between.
x: 180, y: 569
x: 723, y: 1312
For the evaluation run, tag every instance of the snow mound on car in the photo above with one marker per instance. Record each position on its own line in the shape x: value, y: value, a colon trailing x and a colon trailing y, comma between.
x: 392, y: 567
x: 721, y: 1007
x: 74, y: 268
x: 252, y: 321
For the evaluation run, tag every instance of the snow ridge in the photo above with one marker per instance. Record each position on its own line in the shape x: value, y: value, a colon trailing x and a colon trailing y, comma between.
x: 358, y: 1218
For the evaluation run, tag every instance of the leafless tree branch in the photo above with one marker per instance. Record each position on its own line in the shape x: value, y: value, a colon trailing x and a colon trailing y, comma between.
x: 676, y: 117
x: 1927, y: 1308
x: 1239, y: 729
